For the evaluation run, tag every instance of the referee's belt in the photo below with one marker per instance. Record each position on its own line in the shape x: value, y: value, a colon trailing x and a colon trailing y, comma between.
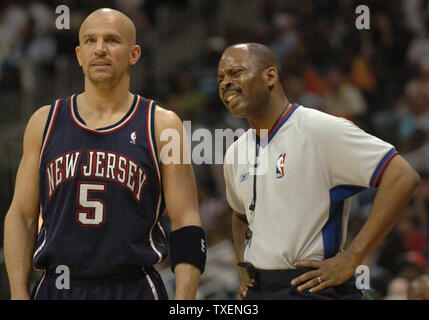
x: 271, y: 279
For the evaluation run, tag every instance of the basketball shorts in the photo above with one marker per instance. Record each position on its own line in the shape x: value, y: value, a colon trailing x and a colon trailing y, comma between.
x: 137, y: 285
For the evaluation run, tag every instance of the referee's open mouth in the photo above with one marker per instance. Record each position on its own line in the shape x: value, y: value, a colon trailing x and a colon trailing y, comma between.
x: 231, y: 96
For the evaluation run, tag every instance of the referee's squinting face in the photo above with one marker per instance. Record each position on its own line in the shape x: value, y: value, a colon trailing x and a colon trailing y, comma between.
x: 106, y: 47
x: 241, y: 85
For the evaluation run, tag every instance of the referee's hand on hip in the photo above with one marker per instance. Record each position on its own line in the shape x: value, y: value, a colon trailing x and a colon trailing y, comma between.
x: 330, y: 272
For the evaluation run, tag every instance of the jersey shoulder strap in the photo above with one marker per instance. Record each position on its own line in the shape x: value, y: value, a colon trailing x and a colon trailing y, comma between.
x: 53, y: 111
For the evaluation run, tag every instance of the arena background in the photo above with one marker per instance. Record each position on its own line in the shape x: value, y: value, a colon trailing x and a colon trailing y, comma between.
x: 379, y: 78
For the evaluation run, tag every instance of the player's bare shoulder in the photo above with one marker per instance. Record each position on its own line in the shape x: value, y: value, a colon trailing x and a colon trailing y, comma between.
x: 35, y: 127
x: 168, y: 130
x: 166, y: 120
x: 40, y: 116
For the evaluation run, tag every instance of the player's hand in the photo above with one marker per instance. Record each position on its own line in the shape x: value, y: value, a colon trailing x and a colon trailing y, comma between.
x: 326, y: 273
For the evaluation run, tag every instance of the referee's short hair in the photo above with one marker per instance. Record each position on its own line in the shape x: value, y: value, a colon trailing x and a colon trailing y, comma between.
x: 262, y: 55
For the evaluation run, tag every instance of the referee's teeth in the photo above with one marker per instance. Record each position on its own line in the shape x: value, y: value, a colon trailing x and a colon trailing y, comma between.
x: 231, y: 97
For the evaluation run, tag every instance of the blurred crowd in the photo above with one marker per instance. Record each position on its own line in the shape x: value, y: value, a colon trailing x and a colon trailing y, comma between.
x: 378, y: 78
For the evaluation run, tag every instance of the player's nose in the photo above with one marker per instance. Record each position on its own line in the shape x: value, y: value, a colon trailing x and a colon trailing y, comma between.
x: 100, y: 49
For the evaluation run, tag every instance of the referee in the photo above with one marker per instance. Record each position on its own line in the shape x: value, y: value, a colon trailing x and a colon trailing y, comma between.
x: 291, y: 197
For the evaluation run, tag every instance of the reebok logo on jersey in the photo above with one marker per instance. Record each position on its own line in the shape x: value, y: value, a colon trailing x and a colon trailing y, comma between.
x: 133, y: 137
x: 280, y: 166
x: 244, y: 176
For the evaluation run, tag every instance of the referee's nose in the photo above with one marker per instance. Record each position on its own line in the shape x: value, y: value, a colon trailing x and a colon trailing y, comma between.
x: 225, y: 84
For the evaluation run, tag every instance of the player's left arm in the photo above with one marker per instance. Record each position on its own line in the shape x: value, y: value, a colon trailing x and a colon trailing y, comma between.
x: 397, y: 184
x: 187, y: 239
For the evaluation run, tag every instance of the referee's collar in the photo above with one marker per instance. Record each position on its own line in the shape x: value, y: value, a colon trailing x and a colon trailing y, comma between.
x: 275, y: 128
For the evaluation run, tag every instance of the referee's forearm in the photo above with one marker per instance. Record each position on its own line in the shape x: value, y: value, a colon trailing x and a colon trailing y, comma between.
x: 239, y: 227
x: 395, y: 190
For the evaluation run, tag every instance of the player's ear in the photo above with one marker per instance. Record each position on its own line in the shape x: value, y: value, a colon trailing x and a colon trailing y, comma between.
x: 135, y: 54
x: 77, y: 50
x: 271, y: 77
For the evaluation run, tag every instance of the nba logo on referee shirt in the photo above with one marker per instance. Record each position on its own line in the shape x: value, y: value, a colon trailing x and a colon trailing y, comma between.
x: 133, y: 137
x: 280, y: 166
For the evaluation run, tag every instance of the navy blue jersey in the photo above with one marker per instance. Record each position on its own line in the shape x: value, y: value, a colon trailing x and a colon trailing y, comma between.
x: 100, y: 193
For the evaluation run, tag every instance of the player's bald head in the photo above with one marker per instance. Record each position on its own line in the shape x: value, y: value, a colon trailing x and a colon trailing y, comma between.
x: 260, y: 54
x: 110, y: 17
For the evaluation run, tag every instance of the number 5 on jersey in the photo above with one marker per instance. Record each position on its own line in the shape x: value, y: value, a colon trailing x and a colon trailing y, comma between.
x: 93, y: 210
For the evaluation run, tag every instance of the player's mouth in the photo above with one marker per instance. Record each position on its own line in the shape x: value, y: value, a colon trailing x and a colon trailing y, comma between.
x: 101, y: 64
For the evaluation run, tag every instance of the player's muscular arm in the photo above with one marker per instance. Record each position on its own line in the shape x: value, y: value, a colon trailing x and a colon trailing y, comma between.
x: 180, y: 194
x: 396, y: 187
x: 20, y: 226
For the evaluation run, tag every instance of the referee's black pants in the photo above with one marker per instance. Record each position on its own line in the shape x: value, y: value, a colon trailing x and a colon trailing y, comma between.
x: 275, y: 285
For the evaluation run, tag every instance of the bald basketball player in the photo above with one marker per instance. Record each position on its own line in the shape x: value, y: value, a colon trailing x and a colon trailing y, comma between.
x: 91, y: 167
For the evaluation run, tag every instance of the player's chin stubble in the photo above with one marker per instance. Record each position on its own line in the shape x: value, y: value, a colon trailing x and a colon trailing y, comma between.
x: 100, y: 78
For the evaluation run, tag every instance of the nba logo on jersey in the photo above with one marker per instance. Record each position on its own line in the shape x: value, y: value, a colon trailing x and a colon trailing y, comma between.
x: 133, y: 137
x: 280, y: 166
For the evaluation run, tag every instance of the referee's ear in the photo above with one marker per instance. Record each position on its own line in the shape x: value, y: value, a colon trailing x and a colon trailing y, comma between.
x: 271, y: 77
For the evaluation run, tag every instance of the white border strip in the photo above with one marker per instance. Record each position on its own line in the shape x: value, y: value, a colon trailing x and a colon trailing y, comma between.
x: 152, y: 286
x: 149, y: 128
x: 119, y: 125
x: 40, y: 247
x: 40, y: 284
x: 48, y: 132
x: 162, y: 229
x: 149, y: 131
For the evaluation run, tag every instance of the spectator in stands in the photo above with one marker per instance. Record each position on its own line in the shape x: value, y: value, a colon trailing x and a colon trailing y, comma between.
x: 419, y: 288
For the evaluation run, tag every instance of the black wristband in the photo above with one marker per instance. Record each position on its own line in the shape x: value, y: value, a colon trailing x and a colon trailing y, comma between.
x: 188, y: 244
